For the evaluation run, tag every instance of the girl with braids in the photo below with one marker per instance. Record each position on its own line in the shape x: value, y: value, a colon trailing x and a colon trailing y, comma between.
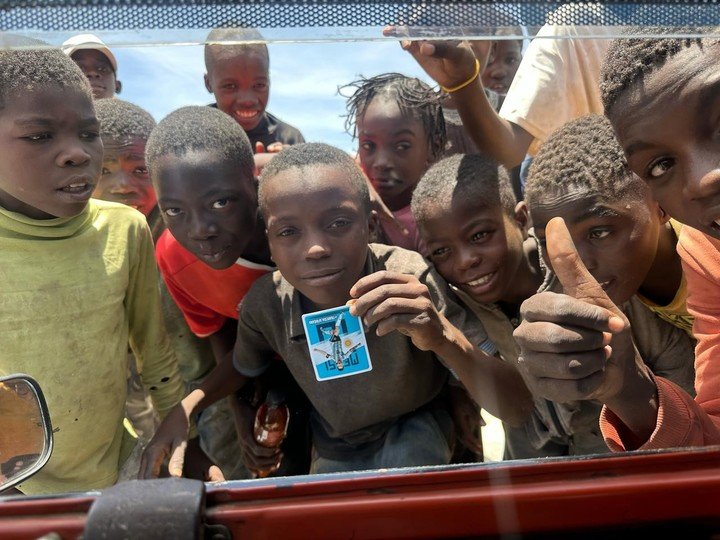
x: 399, y: 125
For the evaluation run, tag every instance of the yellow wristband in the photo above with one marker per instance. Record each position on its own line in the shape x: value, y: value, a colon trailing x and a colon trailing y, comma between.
x: 463, y: 85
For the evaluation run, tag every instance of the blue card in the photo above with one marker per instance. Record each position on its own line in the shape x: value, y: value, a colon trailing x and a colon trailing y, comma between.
x: 337, y: 345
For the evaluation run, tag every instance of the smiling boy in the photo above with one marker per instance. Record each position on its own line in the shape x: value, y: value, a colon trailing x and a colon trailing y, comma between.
x: 316, y: 205
x: 79, y: 279
x: 624, y: 240
x: 238, y: 75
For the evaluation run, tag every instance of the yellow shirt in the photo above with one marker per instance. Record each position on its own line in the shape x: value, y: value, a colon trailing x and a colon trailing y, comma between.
x: 73, y: 293
x: 675, y: 312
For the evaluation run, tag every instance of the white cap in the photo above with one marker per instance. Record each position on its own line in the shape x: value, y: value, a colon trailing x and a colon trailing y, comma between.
x: 88, y: 41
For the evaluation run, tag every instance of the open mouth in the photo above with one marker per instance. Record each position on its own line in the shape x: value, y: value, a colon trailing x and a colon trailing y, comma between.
x: 245, y: 115
x: 482, y: 280
x: 213, y: 256
x: 77, y: 190
x: 385, y: 183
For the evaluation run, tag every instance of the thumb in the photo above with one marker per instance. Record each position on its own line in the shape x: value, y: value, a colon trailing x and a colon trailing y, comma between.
x: 177, y: 458
x: 576, y: 280
x: 259, y: 147
x: 214, y: 474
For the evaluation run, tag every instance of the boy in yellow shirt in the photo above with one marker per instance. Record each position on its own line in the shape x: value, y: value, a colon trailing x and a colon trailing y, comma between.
x: 78, y: 277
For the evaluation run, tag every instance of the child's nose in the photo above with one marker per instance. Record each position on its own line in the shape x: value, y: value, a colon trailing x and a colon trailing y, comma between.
x: 468, y: 258
x: 202, y: 229
x: 703, y: 178
x: 316, y: 248
x: 73, y: 155
x: 121, y: 184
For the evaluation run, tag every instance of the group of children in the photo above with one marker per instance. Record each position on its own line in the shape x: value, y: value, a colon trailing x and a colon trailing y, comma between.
x: 571, y: 314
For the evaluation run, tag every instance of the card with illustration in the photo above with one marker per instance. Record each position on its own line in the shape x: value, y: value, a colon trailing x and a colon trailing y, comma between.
x: 337, y: 343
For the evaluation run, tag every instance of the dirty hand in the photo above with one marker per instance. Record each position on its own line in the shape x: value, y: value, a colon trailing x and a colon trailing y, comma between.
x: 259, y: 460
x: 466, y: 417
x: 449, y: 63
x: 577, y: 345
x: 395, y: 301
x: 170, y: 443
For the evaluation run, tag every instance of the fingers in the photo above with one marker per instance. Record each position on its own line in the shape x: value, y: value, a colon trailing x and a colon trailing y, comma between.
x: 214, y: 474
x: 546, y: 337
x: 259, y: 147
x: 568, y: 367
x: 569, y: 268
x: 564, y: 390
x: 177, y: 457
x: 151, y: 462
x: 564, y: 309
x: 373, y: 281
x: 391, y: 299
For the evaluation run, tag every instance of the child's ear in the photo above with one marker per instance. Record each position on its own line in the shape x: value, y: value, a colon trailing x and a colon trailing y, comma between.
x: 118, y: 87
x: 207, y: 83
x: 522, y: 216
x: 373, y: 226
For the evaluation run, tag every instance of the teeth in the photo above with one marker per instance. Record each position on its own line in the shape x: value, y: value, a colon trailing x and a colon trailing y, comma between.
x: 83, y: 184
x: 716, y: 223
x: 482, y: 280
x: 246, y: 114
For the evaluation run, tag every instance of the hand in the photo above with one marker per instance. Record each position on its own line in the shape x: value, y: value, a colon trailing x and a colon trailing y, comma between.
x: 399, y: 302
x: 198, y: 465
x: 272, y: 148
x: 449, y: 63
x: 466, y: 417
x: 259, y: 460
x: 577, y: 345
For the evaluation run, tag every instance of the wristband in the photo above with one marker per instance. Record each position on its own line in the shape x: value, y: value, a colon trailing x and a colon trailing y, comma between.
x: 463, y: 85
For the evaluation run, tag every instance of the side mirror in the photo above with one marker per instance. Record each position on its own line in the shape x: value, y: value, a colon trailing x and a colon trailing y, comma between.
x: 25, y: 430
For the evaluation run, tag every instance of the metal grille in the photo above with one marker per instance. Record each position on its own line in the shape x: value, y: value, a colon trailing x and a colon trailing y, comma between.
x: 129, y: 15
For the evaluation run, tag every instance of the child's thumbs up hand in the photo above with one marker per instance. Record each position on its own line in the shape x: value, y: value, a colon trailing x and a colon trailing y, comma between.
x: 577, y: 345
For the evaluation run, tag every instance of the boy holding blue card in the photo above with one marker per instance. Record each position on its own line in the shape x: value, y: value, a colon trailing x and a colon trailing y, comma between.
x: 390, y: 410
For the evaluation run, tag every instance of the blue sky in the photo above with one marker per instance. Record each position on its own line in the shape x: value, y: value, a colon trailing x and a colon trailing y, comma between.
x: 304, y: 80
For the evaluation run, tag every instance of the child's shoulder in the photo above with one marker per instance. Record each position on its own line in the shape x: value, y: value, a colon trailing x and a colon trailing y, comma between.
x: 397, y: 259
x: 117, y: 215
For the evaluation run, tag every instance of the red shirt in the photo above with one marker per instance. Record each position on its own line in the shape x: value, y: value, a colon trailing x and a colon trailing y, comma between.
x: 206, y: 297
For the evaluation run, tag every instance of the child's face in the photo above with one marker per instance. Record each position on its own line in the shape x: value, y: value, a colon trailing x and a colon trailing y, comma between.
x: 669, y: 128
x: 393, y: 151
x: 241, y: 85
x: 476, y: 248
x: 97, y: 68
x: 318, y: 232
x: 207, y: 204
x: 125, y: 177
x: 617, y: 240
x: 51, y: 152
x: 499, y: 73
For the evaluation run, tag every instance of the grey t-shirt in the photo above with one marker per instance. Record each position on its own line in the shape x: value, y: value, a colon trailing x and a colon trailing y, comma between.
x: 357, y: 410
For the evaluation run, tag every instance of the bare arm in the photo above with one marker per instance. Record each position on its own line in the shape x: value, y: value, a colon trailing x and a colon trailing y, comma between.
x: 452, y: 63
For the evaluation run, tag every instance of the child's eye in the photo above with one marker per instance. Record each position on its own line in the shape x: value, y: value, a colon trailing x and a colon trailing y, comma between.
x: 172, y: 212
x: 89, y: 135
x: 367, y: 146
x: 659, y: 167
x: 140, y: 171
x: 220, y: 204
x: 36, y: 137
x: 480, y: 235
x: 105, y: 171
x: 339, y: 223
x: 598, y: 234
x: 403, y: 146
x: 439, y: 253
x: 287, y: 231
x: 260, y: 86
x: 228, y: 86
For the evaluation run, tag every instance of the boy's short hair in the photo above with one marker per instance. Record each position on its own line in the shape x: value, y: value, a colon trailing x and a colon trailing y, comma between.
x: 215, y: 46
x: 308, y: 155
x: 471, y: 177
x: 628, y: 60
x: 414, y: 98
x: 122, y: 121
x: 200, y: 129
x: 28, y: 70
x: 585, y: 154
